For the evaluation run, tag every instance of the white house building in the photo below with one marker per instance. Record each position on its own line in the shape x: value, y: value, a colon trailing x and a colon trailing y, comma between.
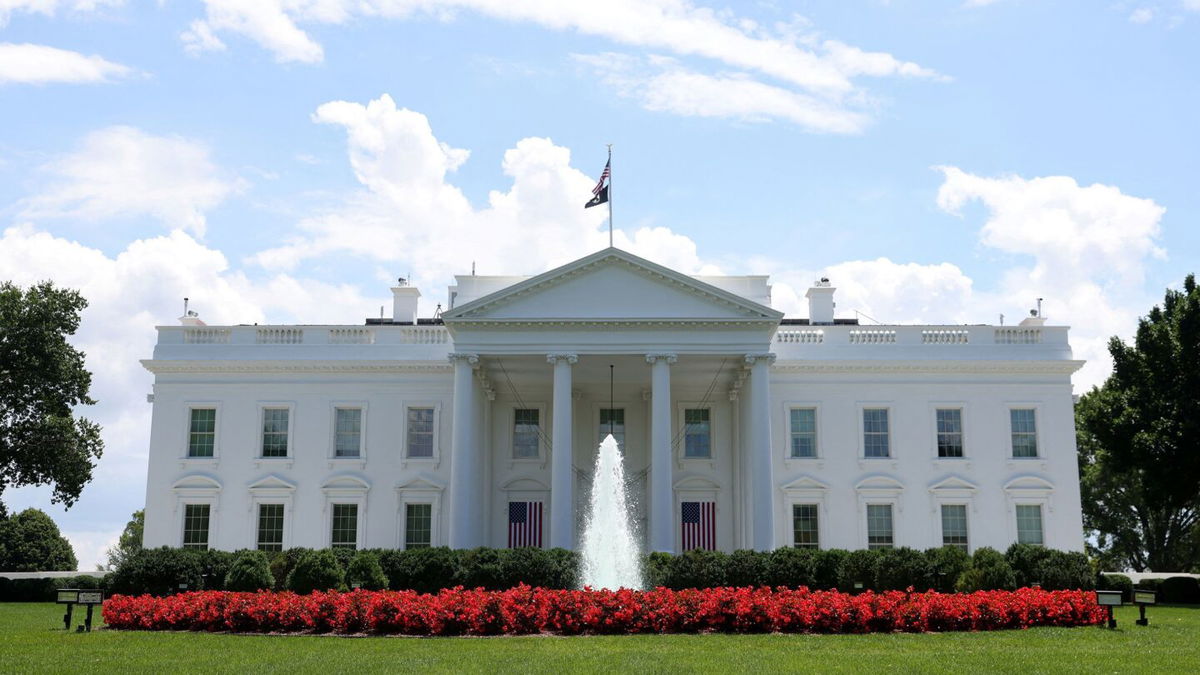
x: 740, y: 428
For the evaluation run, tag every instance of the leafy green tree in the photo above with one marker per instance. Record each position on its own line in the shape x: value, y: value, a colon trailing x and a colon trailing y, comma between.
x: 130, y: 541
x: 42, y: 378
x: 31, y: 542
x: 1139, y: 443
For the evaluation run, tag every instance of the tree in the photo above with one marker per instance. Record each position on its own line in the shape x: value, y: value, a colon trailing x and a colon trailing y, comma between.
x: 31, y: 542
x: 1139, y: 443
x: 42, y: 378
x: 130, y: 541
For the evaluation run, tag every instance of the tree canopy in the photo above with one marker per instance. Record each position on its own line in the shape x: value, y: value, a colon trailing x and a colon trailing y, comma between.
x: 1139, y: 443
x: 42, y: 380
x: 31, y: 542
x: 130, y: 541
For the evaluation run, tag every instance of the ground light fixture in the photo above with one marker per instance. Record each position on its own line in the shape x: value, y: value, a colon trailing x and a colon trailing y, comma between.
x: 1109, y: 599
x: 1143, y: 598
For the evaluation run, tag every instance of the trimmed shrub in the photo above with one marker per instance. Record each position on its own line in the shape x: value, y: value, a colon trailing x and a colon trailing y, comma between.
x: 250, y: 571
x: 159, y: 571
x: 829, y: 565
x: 316, y: 571
x: 989, y: 571
x: 745, y: 568
x: 480, y: 568
x: 282, y: 564
x: 364, y: 571
x: 791, y: 567
x: 425, y: 570
x: 656, y: 569
x: 1184, y: 590
x: 1064, y: 571
x: 1027, y: 562
x: 562, y: 568
x: 697, y: 569
x: 901, y: 568
x: 946, y: 564
x: 858, y: 570
x: 1116, y: 582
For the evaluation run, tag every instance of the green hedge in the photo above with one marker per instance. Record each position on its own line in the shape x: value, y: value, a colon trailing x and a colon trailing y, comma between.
x: 159, y: 571
x: 43, y: 590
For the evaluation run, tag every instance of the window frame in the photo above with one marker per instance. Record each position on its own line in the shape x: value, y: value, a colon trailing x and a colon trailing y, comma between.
x: 939, y: 406
x: 601, y: 428
x: 543, y: 420
x: 791, y: 432
x: 208, y: 536
x: 817, y: 508
x: 420, y: 491
x: 941, y: 521
x: 867, y: 523
x: 358, y: 523
x: 188, y: 406
x: 683, y: 407
x: 260, y: 432
x: 404, y: 543
x: 435, y: 458
x: 1016, y: 521
x: 863, y: 407
x: 362, y: 407
x: 1037, y: 432
x: 283, y: 523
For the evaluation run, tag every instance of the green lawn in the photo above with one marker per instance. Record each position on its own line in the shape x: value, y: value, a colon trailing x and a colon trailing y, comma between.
x: 32, y: 639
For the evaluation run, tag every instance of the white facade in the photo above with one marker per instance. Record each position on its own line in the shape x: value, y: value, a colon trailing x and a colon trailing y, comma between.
x: 677, y: 345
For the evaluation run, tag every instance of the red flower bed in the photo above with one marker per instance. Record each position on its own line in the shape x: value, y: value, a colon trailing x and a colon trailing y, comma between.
x: 525, y: 610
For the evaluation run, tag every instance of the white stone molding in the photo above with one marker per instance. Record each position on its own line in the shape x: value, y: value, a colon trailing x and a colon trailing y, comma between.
x: 670, y: 358
x: 571, y: 359
x: 423, y: 489
x: 931, y: 366
x: 197, y: 489
x: 270, y: 489
x: 289, y: 366
x: 346, y: 489
x: 751, y: 359
x: 469, y: 358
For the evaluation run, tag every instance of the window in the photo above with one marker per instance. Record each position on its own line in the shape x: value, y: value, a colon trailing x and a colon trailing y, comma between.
x: 804, y: 526
x: 949, y: 432
x: 347, y: 432
x: 420, y: 432
x: 1029, y: 524
x: 345, y: 526
x: 1024, y: 432
x: 418, y: 525
x: 879, y: 526
x: 195, y: 526
x: 525, y: 433
x: 270, y: 527
x: 804, y: 432
x: 275, y: 432
x: 954, y: 525
x: 876, y: 439
x: 612, y: 421
x: 202, y: 432
x: 697, y: 433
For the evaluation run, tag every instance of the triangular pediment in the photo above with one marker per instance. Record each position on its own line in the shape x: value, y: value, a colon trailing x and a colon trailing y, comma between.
x: 804, y: 483
x: 271, y: 482
x: 953, y: 483
x: 611, y: 285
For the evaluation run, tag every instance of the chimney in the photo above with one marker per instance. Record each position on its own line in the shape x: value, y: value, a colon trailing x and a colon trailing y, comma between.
x: 820, y: 302
x: 404, y: 303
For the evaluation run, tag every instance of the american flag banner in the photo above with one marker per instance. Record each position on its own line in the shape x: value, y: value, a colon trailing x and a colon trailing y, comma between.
x: 699, y: 523
x: 524, y: 524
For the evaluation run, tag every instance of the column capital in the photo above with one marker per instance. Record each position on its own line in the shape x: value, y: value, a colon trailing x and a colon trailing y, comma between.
x: 768, y: 357
x: 471, y: 359
x: 666, y: 356
x: 571, y: 359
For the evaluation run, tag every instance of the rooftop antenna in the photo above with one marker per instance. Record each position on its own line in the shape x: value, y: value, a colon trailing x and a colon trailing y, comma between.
x: 472, y: 268
x: 437, y: 313
x: 185, y: 306
x: 381, y: 311
x: 402, y: 281
x: 1039, y: 308
x: 1002, y: 318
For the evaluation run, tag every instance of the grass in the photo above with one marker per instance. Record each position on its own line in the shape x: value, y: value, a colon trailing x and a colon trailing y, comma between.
x: 32, y: 640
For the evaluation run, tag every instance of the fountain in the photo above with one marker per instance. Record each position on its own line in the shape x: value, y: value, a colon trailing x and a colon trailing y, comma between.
x: 610, y: 555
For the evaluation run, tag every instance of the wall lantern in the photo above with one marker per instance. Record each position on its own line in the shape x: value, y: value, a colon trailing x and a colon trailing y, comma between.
x: 1109, y: 599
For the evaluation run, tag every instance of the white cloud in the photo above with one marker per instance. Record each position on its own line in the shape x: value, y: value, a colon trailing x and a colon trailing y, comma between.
x: 663, y: 85
x: 123, y: 171
x: 37, y: 64
x: 1193, y: 5
x: 50, y: 7
x: 1083, y: 248
x: 267, y: 22
x: 1141, y: 15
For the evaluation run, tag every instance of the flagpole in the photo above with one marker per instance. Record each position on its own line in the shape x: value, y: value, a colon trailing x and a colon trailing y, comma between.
x: 610, y: 196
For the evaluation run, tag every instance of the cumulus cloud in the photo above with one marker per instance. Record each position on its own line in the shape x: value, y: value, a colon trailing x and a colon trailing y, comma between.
x: 51, y: 7
x: 1141, y: 15
x: 38, y: 64
x: 662, y: 84
x: 128, y: 294
x: 123, y: 171
x: 1083, y: 248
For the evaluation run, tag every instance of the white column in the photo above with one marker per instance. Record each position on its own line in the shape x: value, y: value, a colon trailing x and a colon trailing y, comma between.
x: 562, y: 479
x: 759, y: 428
x: 661, y: 490
x: 465, y: 490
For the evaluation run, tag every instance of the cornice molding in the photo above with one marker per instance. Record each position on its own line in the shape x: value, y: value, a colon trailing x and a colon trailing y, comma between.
x: 159, y: 367
x: 696, y: 322
x: 931, y: 366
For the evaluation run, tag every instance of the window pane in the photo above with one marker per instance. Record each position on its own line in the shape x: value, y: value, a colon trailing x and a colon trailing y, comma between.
x: 275, y: 432
x: 347, y: 440
x: 954, y: 525
x: 202, y: 432
x: 1024, y: 432
x: 418, y: 530
x: 345, y: 526
x: 879, y: 526
x: 612, y: 421
x: 875, y: 433
x: 949, y: 432
x: 270, y: 527
x: 1029, y: 524
x: 697, y: 433
x: 420, y: 432
x: 195, y: 526
x: 804, y: 432
x: 525, y: 433
x: 804, y: 526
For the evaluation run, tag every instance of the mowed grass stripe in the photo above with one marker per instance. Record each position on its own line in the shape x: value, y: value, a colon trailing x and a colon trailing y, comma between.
x: 32, y: 640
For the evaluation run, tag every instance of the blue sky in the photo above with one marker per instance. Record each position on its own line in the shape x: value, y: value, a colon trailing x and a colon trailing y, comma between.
x: 282, y: 160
